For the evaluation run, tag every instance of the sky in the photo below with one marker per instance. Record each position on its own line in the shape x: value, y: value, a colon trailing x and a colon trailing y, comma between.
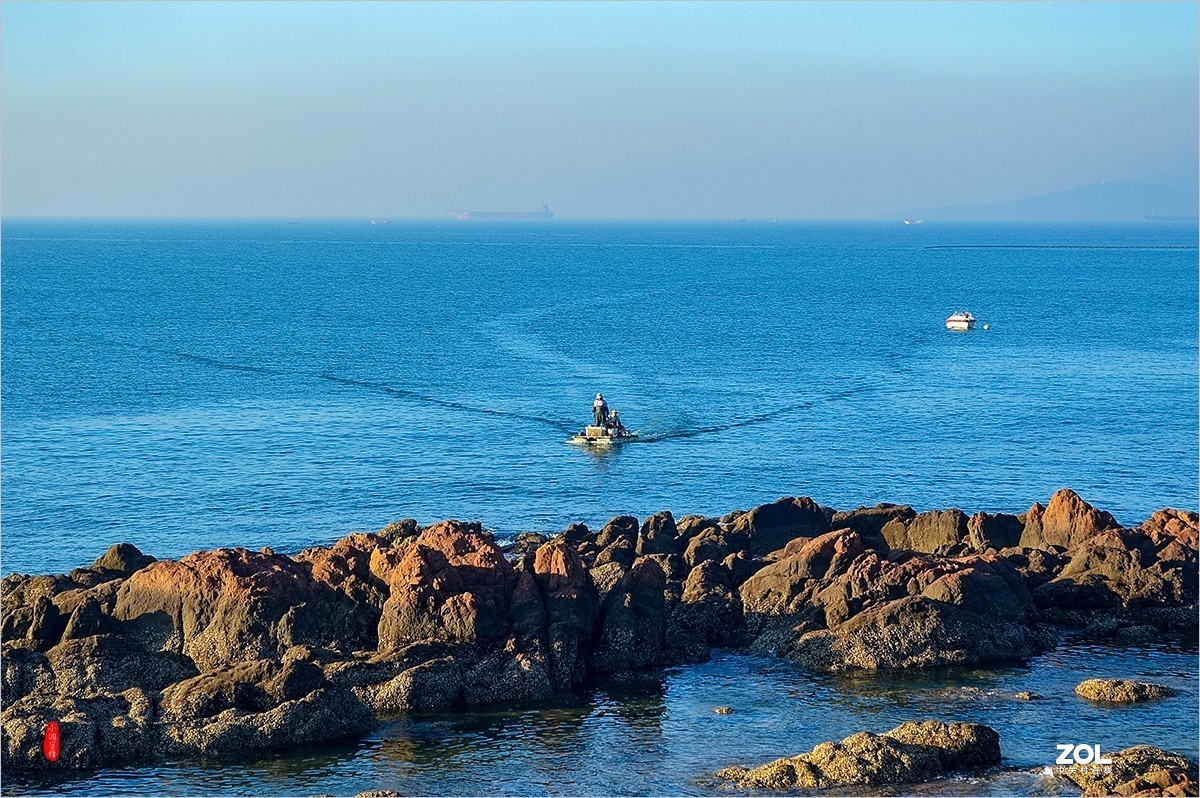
x: 601, y: 110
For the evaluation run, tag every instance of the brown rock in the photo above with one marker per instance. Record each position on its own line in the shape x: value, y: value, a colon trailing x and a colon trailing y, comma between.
x: 232, y: 605
x: 452, y: 584
x: 1066, y: 522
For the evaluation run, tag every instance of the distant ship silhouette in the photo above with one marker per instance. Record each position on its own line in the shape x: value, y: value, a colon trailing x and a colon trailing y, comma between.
x: 543, y: 213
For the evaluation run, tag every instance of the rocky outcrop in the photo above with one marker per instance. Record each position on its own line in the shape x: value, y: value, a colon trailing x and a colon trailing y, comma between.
x: 571, y: 603
x: 633, y: 622
x: 452, y: 584
x: 933, y: 532
x: 1122, y: 568
x: 236, y: 650
x: 869, y: 522
x: 908, y: 754
x: 1121, y: 691
x: 1065, y: 522
x: 232, y: 605
x: 1140, y: 770
x: 771, y: 526
x: 834, y: 605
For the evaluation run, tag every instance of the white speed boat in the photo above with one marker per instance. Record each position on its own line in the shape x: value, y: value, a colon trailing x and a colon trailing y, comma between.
x: 960, y: 321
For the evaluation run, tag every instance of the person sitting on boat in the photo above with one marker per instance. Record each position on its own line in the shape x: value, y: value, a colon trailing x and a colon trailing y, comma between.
x: 615, y: 422
x: 600, y: 410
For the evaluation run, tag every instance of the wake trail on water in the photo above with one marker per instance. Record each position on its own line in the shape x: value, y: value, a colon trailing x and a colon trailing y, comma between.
x: 568, y: 427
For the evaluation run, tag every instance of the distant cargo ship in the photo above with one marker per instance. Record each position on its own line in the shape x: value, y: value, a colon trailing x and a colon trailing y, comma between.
x: 543, y: 213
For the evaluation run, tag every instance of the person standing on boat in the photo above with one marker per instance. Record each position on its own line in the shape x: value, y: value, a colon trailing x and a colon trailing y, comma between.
x: 600, y: 410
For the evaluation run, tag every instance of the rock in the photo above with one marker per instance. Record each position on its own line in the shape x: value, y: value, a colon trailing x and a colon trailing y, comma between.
x: 960, y: 746
x: 1066, y: 521
x: 1122, y: 567
x: 112, y: 664
x: 915, y: 632
x: 623, y: 527
x: 709, y: 613
x: 935, y: 532
x: 619, y: 551
x: 909, y: 754
x: 124, y: 558
x: 95, y: 732
x: 507, y: 678
x: 24, y: 671
x: 1179, y: 526
x: 771, y: 526
x: 690, y: 526
x: 704, y: 546
x: 398, y: 530
x: 1121, y: 691
x: 327, y: 714
x: 869, y: 522
x: 571, y: 608
x: 606, y: 576
x: 358, y: 566
x: 778, y: 589
x: 453, y: 584
x: 1140, y: 770
x: 525, y: 543
x: 633, y: 621
x: 658, y: 535
x: 232, y: 605
x: 1025, y: 695
x: 722, y: 710
x: 993, y: 531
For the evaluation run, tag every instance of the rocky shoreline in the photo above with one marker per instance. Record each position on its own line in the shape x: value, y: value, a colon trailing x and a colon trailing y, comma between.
x: 234, y: 650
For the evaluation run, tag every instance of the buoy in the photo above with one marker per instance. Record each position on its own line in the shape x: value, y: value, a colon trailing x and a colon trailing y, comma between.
x: 52, y: 741
x: 987, y: 327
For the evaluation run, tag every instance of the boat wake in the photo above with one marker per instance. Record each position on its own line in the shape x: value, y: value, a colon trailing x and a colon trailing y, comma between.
x: 561, y: 425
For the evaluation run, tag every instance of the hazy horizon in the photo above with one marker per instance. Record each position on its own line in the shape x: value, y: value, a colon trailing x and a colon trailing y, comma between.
x: 656, y: 111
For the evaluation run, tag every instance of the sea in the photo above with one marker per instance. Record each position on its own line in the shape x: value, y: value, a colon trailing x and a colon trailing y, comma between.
x: 190, y: 385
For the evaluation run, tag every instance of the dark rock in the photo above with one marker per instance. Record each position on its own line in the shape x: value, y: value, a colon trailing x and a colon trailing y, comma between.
x: 869, y: 522
x: 770, y: 526
x: 123, y: 558
x: 658, y: 535
x: 633, y: 621
x: 623, y: 527
x: 706, y: 545
x: 571, y: 608
x: 399, y: 530
x: 993, y: 531
x: 112, y: 664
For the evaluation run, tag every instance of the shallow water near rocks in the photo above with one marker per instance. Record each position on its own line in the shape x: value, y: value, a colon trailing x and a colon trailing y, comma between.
x: 655, y: 733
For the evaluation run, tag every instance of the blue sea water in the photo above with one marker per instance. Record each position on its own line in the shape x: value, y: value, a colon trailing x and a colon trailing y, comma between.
x: 190, y: 385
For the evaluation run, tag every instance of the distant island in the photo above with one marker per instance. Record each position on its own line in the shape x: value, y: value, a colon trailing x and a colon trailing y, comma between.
x: 1134, y: 201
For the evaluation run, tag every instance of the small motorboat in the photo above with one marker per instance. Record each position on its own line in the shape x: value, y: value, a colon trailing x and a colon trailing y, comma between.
x: 593, y: 435
x: 961, y: 321
x: 606, y: 428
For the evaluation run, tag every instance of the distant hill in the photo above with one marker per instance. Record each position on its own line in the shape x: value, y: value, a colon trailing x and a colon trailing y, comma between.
x: 1097, y: 202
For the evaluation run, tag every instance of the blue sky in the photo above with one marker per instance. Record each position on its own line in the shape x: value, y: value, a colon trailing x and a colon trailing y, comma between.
x: 707, y: 110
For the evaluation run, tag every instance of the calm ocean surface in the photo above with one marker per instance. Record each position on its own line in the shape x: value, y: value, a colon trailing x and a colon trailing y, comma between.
x: 186, y: 386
